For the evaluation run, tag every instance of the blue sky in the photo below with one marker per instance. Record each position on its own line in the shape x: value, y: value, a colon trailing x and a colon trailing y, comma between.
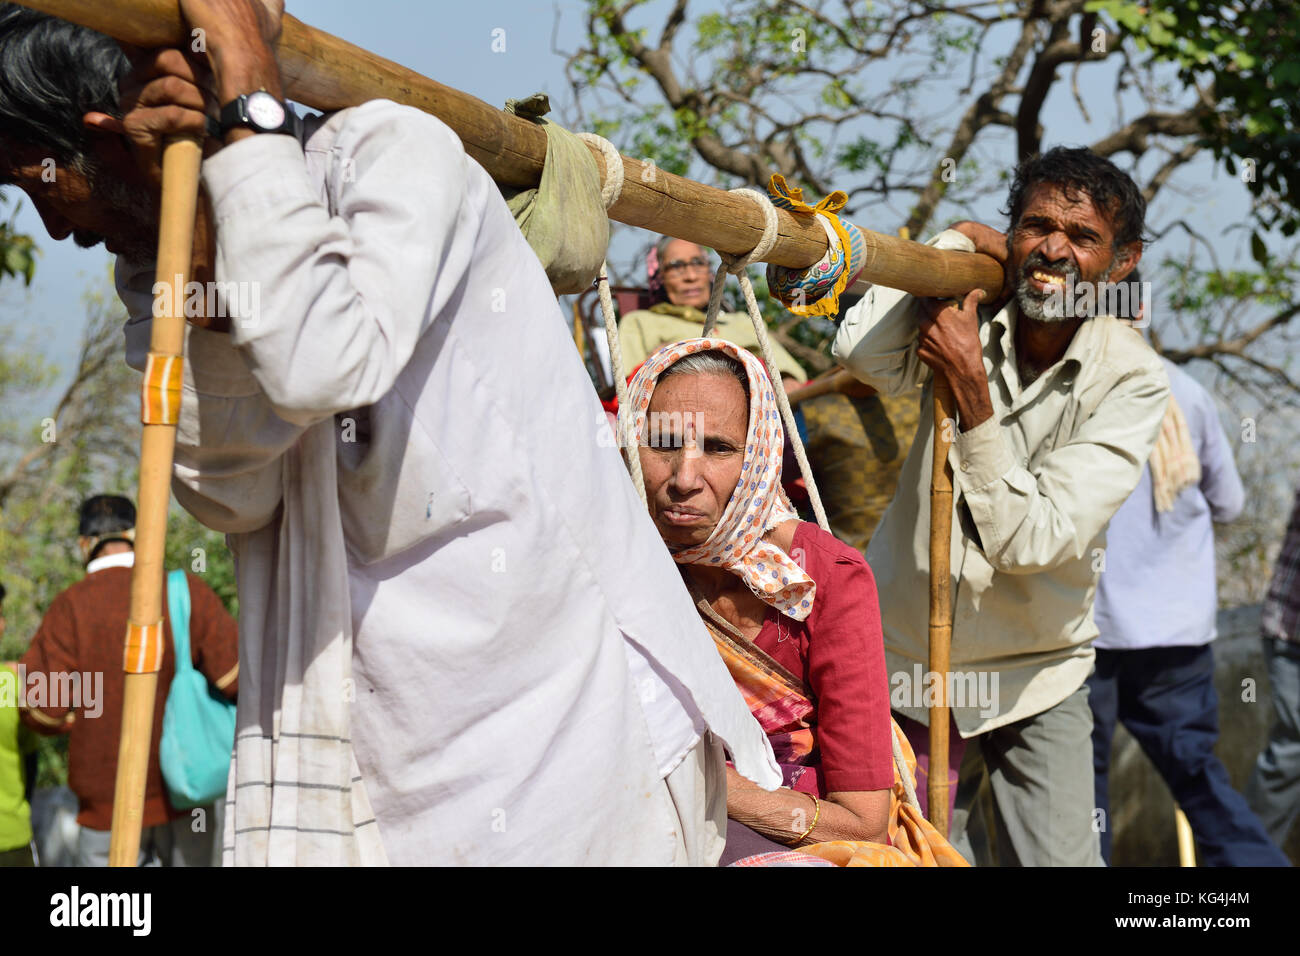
x: 453, y: 43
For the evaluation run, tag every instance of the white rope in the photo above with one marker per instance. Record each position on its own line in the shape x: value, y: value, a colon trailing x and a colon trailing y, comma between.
x: 909, y: 789
x: 736, y: 266
x: 612, y: 185
x: 610, y: 189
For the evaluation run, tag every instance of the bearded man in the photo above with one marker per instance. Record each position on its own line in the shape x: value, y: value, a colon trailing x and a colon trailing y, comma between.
x: 1056, y: 415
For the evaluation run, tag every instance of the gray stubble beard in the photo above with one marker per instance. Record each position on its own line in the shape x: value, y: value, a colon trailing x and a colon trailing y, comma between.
x: 1034, y: 307
x: 133, y: 206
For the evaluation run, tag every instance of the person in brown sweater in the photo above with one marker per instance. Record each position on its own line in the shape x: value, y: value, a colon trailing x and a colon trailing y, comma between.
x: 82, y: 634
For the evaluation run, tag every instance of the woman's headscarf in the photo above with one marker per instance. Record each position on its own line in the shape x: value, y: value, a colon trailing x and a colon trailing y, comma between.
x: 758, y: 504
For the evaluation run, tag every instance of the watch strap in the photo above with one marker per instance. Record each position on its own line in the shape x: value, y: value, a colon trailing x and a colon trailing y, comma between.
x: 234, y: 115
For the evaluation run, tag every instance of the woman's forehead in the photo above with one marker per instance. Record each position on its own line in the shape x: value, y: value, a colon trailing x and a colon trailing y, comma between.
x: 706, y: 392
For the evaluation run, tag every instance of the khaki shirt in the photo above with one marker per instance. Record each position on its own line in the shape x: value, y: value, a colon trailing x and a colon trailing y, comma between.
x: 643, y: 331
x: 1033, y: 490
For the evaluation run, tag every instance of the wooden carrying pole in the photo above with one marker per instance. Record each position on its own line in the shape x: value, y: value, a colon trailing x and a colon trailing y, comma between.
x: 326, y: 73
x: 160, y: 402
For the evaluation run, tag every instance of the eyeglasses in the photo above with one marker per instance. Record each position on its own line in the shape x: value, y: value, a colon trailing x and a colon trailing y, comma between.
x: 681, y: 265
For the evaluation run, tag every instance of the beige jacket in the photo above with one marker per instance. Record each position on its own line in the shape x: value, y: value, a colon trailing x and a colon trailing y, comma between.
x: 1033, y: 490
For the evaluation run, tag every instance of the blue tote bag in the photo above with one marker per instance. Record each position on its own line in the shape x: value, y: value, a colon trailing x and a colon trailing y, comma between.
x: 198, y: 732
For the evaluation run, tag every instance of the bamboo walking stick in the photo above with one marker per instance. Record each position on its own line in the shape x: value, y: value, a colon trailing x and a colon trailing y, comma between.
x: 1186, y: 841
x: 160, y: 402
x: 940, y: 601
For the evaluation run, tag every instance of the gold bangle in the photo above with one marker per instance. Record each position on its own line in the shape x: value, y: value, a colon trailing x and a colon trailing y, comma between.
x: 817, y: 808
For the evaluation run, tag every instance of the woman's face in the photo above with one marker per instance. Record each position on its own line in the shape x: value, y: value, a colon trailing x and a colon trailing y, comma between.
x: 697, y: 425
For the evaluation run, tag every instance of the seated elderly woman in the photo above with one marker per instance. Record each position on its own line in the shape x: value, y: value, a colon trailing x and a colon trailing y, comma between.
x: 792, y: 610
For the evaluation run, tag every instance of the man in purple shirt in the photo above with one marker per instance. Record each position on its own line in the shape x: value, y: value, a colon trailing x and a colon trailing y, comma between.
x: 1155, y: 609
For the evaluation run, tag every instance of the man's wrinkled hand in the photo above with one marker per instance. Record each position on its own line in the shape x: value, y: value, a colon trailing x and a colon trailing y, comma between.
x: 238, y: 37
x: 166, y: 93
x: 949, y: 336
x: 987, y: 240
x: 224, y: 21
x: 948, y: 340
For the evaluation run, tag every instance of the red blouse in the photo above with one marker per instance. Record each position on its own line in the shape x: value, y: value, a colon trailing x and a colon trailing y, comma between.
x: 839, y: 653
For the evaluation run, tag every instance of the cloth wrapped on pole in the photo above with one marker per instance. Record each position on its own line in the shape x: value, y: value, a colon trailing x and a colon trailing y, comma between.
x: 562, y: 217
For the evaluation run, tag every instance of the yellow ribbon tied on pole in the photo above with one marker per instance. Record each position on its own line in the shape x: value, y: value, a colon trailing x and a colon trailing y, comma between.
x: 817, y: 289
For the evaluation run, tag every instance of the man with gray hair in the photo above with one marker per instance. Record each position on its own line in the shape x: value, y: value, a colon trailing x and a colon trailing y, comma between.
x: 680, y: 282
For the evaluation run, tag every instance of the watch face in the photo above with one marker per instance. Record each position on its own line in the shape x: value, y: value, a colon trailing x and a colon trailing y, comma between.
x: 265, y: 110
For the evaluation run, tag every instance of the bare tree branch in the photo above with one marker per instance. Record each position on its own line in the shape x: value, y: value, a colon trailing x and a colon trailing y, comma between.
x: 1184, y: 155
x: 1234, y: 346
x: 980, y: 114
x: 1135, y: 136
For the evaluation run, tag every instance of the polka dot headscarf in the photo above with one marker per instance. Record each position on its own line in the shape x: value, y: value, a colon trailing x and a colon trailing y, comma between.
x: 758, y: 504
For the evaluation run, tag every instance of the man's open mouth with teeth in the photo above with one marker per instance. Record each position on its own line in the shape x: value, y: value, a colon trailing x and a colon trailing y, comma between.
x: 1040, y: 280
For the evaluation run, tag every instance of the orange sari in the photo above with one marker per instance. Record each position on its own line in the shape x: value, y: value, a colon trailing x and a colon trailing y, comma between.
x: 781, y: 704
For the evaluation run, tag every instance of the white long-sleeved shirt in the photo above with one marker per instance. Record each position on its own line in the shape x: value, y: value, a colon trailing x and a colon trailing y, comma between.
x: 1158, y: 588
x: 1033, y: 490
x: 527, y: 664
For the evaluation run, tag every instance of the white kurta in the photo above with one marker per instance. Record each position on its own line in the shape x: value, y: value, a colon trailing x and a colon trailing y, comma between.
x: 497, y: 564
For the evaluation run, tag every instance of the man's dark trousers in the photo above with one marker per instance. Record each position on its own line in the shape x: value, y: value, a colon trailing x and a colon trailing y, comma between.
x: 1165, y: 698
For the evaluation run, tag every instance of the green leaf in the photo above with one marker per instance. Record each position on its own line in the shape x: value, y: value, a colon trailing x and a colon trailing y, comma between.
x: 1288, y: 73
x: 1258, y: 250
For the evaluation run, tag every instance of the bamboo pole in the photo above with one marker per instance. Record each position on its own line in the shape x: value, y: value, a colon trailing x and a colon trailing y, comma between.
x: 327, y: 73
x: 940, y: 600
x: 1186, y: 842
x: 180, y: 187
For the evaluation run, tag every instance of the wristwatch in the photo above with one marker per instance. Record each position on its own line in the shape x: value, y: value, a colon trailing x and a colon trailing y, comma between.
x: 259, y: 111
